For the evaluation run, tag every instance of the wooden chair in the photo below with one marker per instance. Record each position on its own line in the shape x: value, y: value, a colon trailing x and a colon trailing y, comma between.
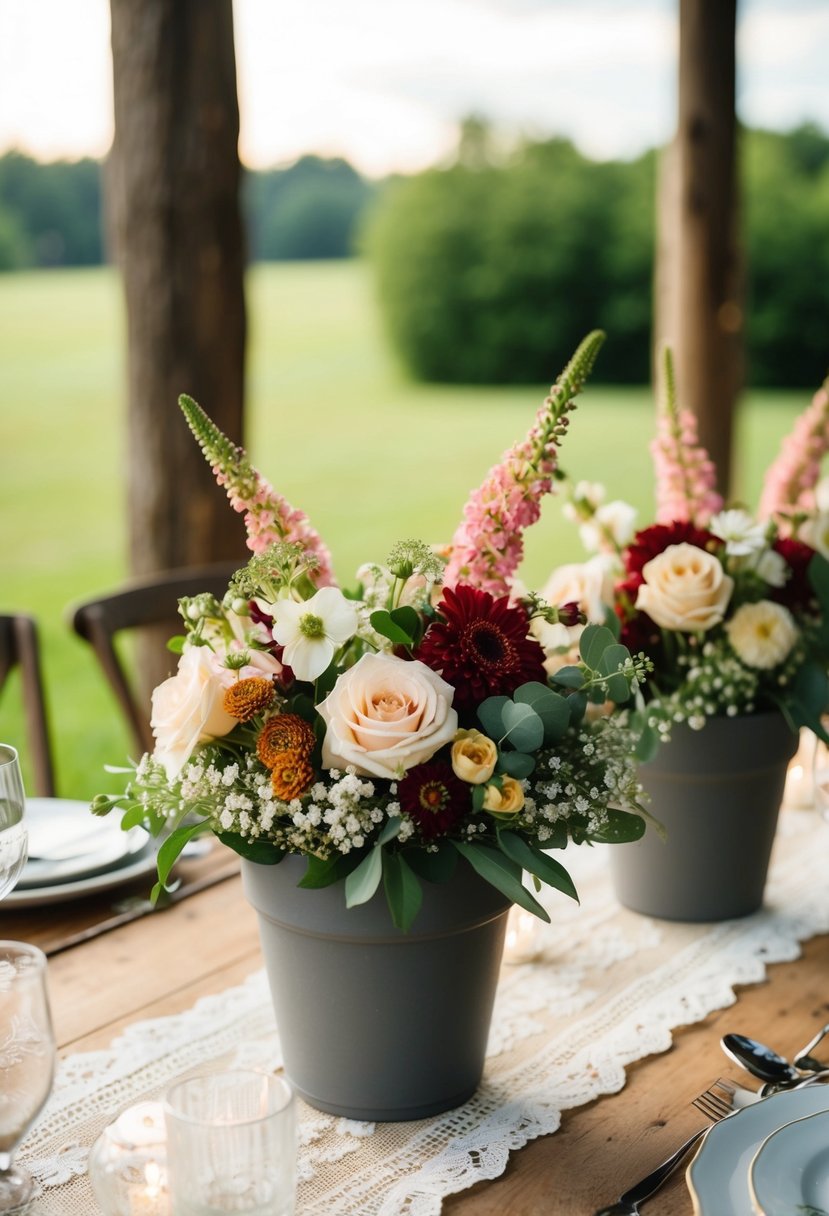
x: 19, y: 647
x: 138, y: 605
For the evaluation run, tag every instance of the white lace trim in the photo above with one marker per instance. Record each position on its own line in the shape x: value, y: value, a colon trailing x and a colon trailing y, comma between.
x: 605, y: 987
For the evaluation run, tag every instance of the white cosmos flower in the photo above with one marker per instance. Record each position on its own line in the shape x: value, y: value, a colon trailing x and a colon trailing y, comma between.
x: 312, y: 630
x: 741, y: 533
x: 771, y: 567
x: 762, y: 634
x: 612, y: 526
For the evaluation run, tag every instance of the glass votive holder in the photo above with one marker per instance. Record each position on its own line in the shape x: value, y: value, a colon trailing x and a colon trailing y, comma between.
x: 128, y: 1164
x: 231, y: 1144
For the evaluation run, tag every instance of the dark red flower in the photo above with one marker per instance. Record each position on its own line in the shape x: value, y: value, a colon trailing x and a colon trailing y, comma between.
x: 434, y: 798
x: 570, y: 614
x: 479, y: 644
x: 797, y: 592
x: 654, y: 540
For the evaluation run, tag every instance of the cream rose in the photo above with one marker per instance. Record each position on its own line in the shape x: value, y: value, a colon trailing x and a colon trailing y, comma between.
x: 187, y: 709
x: 762, y: 634
x: 588, y: 584
x: 385, y: 715
x: 506, y: 801
x: 474, y: 756
x: 685, y: 588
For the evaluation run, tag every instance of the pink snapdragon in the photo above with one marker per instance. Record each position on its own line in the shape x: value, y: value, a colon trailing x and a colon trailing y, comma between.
x: 685, y: 476
x: 488, y: 544
x: 789, y: 486
x: 268, y: 516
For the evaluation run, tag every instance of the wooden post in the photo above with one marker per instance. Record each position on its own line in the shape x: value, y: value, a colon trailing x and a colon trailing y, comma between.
x: 699, y: 310
x: 173, y: 208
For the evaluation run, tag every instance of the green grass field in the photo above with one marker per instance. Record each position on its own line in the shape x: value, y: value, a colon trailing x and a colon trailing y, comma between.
x: 333, y: 423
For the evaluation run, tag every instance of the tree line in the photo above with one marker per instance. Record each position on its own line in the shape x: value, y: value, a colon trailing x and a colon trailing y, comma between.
x: 488, y: 267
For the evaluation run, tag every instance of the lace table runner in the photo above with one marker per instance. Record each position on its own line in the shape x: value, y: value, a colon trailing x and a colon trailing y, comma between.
x: 605, y: 988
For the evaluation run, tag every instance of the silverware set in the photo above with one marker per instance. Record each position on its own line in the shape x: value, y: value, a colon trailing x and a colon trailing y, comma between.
x: 724, y: 1097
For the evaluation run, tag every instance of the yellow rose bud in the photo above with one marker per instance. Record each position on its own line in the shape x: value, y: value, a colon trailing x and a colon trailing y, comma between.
x: 506, y: 801
x: 474, y: 757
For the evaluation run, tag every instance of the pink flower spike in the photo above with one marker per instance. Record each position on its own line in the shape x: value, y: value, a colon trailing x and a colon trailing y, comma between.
x: 684, y: 473
x: 268, y: 516
x: 790, y: 481
x: 488, y: 544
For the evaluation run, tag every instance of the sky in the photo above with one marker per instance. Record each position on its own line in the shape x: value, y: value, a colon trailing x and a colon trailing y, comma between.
x: 386, y: 82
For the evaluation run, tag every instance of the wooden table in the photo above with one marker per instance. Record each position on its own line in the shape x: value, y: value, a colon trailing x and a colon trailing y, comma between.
x: 206, y: 941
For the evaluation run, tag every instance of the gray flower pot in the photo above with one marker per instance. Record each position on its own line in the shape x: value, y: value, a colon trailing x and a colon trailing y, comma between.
x: 717, y: 792
x: 377, y: 1024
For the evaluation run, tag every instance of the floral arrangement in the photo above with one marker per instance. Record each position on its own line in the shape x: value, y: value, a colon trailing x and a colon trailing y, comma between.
x: 386, y: 732
x: 730, y: 608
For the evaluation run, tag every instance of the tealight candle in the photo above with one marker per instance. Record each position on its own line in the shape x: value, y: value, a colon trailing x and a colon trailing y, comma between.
x: 128, y: 1164
x: 522, y: 943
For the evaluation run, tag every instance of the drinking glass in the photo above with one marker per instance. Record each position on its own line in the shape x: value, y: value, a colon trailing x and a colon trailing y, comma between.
x: 820, y: 773
x: 27, y: 1061
x: 231, y: 1144
x: 13, y: 835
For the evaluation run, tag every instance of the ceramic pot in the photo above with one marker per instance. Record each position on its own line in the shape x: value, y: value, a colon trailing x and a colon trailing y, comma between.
x: 377, y: 1024
x: 717, y: 792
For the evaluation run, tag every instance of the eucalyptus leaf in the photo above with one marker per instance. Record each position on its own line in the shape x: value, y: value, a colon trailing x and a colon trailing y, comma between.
x: 523, y: 728
x: 577, y: 704
x: 502, y: 873
x: 593, y: 642
x: 614, y: 657
x: 517, y: 764
x: 383, y: 623
x: 404, y: 894
x: 550, y: 706
x: 490, y: 716
x: 362, y: 883
x: 535, y: 862
x: 569, y: 677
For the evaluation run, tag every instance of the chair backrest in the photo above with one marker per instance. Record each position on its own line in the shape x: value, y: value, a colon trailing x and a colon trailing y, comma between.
x: 139, y: 604
x: 19, y: 647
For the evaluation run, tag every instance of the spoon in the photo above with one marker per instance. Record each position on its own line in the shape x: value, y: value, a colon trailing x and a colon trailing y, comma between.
x: 804, y: 1060
x: 761, y: 1061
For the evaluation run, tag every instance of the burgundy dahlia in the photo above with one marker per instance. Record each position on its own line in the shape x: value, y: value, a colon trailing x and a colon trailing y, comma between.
x: 434, y: 798
x: 479, y: 644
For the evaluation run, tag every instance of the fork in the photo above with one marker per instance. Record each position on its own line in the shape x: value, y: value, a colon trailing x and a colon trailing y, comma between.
x: 719, y: 1100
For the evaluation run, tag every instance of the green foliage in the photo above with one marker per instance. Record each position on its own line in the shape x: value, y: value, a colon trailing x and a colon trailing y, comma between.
x: 55, y: 210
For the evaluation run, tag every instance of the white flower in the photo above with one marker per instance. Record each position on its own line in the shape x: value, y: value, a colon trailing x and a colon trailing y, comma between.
x: 187, y: 709
x: 771, y: 567
x: 822, y: 494
x: 612, y: 527
x: 815, y: 532
x: 588, y: 584
x: 685, y: 588
x: 385, y: 714
x: 312, y: 630
x: 762, y: 634
x: 741, y: 533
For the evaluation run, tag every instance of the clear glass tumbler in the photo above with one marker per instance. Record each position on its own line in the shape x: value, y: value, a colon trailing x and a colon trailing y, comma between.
x: 27, y: 1061
x: 13, y: 834
x: 231, y: 1145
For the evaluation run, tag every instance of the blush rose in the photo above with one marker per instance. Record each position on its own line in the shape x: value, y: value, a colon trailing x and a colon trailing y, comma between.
x: 385, y: 715
x: 685, y: 588
x: 187, y: 709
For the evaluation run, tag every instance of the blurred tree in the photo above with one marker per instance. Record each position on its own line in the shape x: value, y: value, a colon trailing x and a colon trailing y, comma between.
x: 308, y: 210
x: 173, y: 180
x: 699, y: 310
x: 14, y: 251
x: 57, y: 206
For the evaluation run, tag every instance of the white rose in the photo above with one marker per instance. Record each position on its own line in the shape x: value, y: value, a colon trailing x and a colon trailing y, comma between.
x: 611, y: 528
x: 815, y: 532
x: 685, y: 588
x: 762, y: 634
x: 385, y: 715
x: 187, y: 709
x: 588, y: 584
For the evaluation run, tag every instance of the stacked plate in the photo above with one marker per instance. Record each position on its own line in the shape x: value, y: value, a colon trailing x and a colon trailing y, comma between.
x: 768, y: 1159
x: 72, y: 854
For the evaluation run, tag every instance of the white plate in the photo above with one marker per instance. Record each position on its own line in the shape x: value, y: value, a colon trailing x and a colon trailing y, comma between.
x: 790, y: 1172
x: 35, y: 897
x: 67, y: 843
x: 718, y: 1175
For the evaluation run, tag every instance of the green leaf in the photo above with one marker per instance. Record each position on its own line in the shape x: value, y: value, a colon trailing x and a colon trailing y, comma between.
x: 170, y: 850
x: 517, y: 764
x: 391, y: 830
x: 612, y: 621
x: 361, y: 883
x: 818, y: 574
x: 384, y: 624
x: 324, y: 872
x: 408, y: 619
x: 490, y: 716
x: 434, y: 867
x: 404, y: 893
x: 593, y: 642
x: 647, y: 745
x: 263, y: 851
x: 176, y: 644
x: 618, y: 688
x: 135, y: 817
x: 569, y: 677
x: 535, y: 862
x: 523, y: 727
x: 621, y: 827
x: 502, y: 873
x: 577, y: 704
x: 478, y: 795
x: 550, y: 706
